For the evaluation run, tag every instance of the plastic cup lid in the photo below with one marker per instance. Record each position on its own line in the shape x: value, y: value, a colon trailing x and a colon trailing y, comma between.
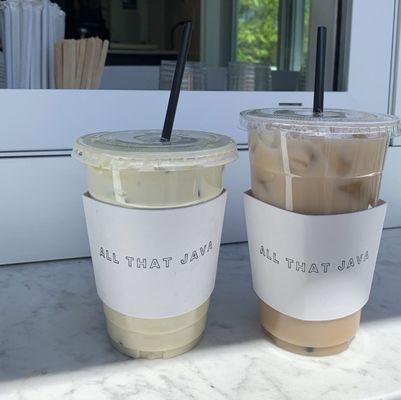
x: 143, y: 150
x: 334, y: 122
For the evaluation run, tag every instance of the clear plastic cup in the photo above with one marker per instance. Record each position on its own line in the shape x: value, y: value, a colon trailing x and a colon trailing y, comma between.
x: 327, y: 164
x: 135, y: 169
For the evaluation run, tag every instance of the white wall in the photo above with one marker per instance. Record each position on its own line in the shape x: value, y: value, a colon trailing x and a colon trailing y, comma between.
x: 42, y: 216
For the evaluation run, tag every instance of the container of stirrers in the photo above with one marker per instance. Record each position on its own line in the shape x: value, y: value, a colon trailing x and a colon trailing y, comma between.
x: 80, y: 63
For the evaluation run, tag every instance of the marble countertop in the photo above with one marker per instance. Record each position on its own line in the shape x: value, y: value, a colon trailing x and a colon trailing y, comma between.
x: 53, y: 342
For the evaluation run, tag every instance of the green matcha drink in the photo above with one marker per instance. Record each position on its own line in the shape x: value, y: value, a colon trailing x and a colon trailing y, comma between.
x: 136, y: 170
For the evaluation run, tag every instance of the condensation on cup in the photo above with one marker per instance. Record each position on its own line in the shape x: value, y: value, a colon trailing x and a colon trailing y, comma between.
x: 135, y: 170
x: 308, y: 164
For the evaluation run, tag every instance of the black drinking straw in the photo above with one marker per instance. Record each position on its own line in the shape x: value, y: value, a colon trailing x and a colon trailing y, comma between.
x: 318, y: 98
x: 176, y: 86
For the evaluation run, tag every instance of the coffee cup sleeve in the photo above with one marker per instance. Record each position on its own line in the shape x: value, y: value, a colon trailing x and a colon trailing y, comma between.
x: 154, y: 263
x: 312, y: 267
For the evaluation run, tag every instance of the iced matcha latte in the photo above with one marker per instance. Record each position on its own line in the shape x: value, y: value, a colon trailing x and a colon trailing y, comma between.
x: 136, y: 170
x: 330, y: 164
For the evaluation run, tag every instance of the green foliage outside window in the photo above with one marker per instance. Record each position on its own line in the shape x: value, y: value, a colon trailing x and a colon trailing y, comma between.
x: 257, y: 31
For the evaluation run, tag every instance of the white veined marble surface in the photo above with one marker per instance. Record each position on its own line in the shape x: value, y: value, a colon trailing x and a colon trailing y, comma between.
x: 53, y: 342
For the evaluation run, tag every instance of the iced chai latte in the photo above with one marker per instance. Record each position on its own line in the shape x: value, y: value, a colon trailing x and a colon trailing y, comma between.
x: 330, y: 164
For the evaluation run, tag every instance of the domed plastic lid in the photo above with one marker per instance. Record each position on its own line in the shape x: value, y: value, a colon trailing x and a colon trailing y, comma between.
x: 336, y: 122
x: 143, y: 150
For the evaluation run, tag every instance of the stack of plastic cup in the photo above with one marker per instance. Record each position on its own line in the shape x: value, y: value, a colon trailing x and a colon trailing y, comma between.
x: 194, y: 75
x: 248, y: 77
x: 308, y: 164
x: 136, y: 170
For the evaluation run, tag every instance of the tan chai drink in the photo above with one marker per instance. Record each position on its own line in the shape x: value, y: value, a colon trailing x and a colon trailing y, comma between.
x: 135, y: 170
x: 331, y: 164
